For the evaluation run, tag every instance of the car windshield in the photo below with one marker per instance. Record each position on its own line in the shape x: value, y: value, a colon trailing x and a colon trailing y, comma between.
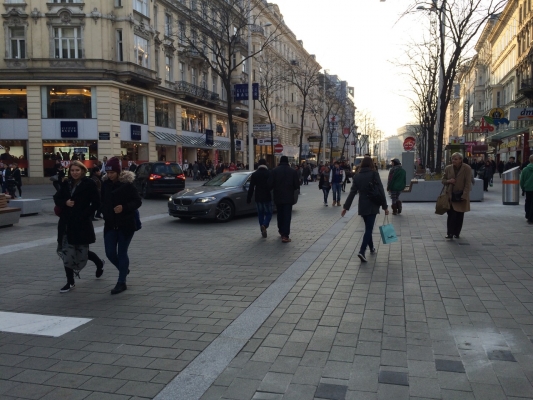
x: 227, y: 179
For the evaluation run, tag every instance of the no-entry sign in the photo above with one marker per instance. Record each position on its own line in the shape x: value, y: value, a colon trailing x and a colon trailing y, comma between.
x: 278, y: 149
x: 409, y: 143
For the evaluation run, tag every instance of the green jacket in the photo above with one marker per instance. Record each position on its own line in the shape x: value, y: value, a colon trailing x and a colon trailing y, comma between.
x: 526, y: 178
x: 396, y: 181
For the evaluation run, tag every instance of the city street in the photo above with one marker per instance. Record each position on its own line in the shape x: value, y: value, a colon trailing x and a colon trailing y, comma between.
x: 214, y: 311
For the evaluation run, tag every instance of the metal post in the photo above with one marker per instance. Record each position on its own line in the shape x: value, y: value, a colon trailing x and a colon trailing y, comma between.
x: 324, y: 117
x: 251, y: 159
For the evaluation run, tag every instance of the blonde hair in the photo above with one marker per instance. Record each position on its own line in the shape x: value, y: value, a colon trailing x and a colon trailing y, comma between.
x: 78, y: 164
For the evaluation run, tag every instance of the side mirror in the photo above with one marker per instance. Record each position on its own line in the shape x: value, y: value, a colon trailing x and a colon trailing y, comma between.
x: 246, y: 186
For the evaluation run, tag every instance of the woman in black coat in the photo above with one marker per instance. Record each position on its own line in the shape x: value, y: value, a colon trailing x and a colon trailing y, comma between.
x: 76, y: 201
x: 367, y: 208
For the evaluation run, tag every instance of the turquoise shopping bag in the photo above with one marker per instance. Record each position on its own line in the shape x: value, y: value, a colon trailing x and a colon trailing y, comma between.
x: 388, y: 234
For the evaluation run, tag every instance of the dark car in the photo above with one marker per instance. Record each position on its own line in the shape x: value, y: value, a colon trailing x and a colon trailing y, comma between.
x: 159, y: 178
x: 221, y: 198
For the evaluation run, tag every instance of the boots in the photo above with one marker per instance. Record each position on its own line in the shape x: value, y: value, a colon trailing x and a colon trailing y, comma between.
x: 399, y: 205
x: 394, y: 209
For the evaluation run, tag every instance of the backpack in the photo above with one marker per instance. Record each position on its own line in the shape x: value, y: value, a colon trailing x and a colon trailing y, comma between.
x: 374, y: 194
x: 138, y: 223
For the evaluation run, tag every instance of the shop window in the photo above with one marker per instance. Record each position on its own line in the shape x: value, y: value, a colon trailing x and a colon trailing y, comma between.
x: 12, y: 151
x: 140, y: 49
x: 63, y: 152
x: 132, y: 107
x: 222, y: 127
x: 165, y: 115
x: 67, y: 42
x: 13, y: 103
x: 67, y: 102
x: 192, y: 120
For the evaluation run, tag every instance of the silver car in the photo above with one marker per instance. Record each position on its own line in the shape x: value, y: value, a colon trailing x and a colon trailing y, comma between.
x: 221, y: 198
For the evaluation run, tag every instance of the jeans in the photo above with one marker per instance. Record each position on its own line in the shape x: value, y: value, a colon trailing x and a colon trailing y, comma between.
x: 284, y: 219
x: 367, y: 237
x: 455, y: 221
x: 336, y: 191
x: 116, y: 244
x: 529, y: 206
x: 264, y: 213
x: 326, y: 194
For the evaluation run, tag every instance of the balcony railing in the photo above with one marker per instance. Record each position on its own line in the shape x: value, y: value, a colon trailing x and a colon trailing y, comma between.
x: 199, y: 92
x: 526, y: 85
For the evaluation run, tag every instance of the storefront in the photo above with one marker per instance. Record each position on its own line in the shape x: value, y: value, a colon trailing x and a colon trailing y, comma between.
x: 14, y: 127
x: 64, y: 151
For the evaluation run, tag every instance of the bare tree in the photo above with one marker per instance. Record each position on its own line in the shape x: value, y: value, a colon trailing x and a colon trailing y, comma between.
x: 214, y: 32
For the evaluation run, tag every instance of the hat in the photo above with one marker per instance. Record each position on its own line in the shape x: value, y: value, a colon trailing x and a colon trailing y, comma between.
x: 113, y: 164
x: 262, y: 162
x: 284, y: 159
x: 395, y: 161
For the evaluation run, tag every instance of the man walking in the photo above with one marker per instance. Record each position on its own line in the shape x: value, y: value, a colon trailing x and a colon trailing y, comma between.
x: 336, y: 176
x: 283, y: 180
x: 263, y: 198
x: 395, y: 185
x: 510, y: 164
x: 526, y: 183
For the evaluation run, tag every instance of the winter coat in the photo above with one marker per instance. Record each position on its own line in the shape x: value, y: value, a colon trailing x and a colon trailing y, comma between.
x: 283, y: 180
x: 360, y: 185
x: 336, y: 175
x: 259, y: 183
x: 17, y: 176
x: 122, y: 192
x: 306, y: 171
x: 463, y: 181
x: 510, y: 165
x: 526, y: 178
x: 396, y: 181
x: 77, y: 221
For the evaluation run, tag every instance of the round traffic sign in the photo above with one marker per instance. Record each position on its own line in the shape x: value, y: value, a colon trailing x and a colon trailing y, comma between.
x: 409, y: 143
x: 278, y: 148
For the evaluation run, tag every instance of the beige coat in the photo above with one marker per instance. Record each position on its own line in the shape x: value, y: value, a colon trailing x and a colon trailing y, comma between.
x: 463, y: 181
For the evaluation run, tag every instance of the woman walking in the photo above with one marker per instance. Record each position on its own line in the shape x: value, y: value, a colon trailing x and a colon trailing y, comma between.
x: 366, y: 208
x: 457, y: 179
x: 77, y: 199
x: 485, y: 172
x: 120, y: 200
x: 324, y: 184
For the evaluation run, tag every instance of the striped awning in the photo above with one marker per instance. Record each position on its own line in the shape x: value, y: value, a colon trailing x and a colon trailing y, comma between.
x: 187, y: 141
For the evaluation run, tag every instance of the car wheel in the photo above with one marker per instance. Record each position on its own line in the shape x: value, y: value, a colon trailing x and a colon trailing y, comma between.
x: 184, y: 218
x: 145, y: 194
x: 224, y: 211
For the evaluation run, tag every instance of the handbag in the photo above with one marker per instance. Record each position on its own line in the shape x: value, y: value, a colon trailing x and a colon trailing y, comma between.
x: 57, y: 211
x: 457, y: 196
x: 388, y: 234
x: 443, y: 203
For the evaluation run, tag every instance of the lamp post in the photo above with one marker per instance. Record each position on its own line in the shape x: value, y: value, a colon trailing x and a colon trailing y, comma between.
x: 251, y: 158
x: 324, y: 116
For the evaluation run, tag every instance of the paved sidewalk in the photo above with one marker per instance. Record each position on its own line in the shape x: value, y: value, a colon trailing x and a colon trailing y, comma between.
x: 424, y: 318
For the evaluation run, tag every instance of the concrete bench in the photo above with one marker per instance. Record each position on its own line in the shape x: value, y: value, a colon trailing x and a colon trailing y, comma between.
x: 9, y: 216
x: 27, y: 206
x: 428, y: 191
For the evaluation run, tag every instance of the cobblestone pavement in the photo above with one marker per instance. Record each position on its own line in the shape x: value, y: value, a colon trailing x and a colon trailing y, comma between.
x: 424, y: 318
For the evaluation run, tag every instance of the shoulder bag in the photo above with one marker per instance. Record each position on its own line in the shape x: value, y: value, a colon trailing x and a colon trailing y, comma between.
x: 443, y: 203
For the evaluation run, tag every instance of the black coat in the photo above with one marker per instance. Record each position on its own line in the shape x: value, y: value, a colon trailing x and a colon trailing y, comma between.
x: 77, y: 220
x: 360, y: 185
x: 284, y: 182
x: 259, y: 183
x: 122, y: 192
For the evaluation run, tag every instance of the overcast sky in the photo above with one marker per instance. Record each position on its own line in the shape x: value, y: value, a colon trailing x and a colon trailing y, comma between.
x: 358, y: 40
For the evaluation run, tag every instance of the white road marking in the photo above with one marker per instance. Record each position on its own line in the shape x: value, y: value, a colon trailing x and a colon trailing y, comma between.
x: 34, y: 324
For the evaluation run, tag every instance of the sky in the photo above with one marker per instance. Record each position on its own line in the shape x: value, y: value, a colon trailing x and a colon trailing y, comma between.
x: 359, y: 40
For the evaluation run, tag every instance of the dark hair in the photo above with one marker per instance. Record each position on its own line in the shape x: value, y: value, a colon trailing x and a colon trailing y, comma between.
x: 367, y: 163
x: 262, y: 161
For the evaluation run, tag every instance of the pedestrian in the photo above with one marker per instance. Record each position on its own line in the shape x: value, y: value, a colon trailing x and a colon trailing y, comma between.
x: 367, y: 209
x: 336, y: 177
x: 314, y: 175
x: 120, y: 200
x: 510, y: 164
x: 299, y: 172
x: 96, y: 176
x: 526, y: 183
x: 263, y: 198
x: 487, y: 174
x: 102, y: 168
x: 283, y: 180
x: 77, y: 199
x: 306, y: 172
x: 395, y: 185
x: 324, y: 184
x: 195, y: 169
x: 16, y: 175
x: 457, y: 179
x: 501, y: 168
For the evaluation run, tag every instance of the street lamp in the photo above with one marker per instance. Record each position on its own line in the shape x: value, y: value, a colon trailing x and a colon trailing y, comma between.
x: 324, y: 116
x: 250, y: 93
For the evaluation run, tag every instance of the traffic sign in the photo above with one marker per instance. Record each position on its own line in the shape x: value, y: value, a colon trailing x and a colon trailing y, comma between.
x: 278, y: 149
x: 264, y: 127
x: 409, y: 143
x: 346, y: 132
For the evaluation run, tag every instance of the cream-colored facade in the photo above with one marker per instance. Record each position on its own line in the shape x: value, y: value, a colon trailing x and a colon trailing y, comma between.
x: 111, y: 78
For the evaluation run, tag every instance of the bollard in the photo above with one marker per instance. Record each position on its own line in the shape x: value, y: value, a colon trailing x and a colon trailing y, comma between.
x: 511, y: 187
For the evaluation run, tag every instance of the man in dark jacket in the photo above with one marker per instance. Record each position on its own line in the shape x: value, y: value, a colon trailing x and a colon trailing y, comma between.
x: 283, y: 180
x: 263, y: 198
x: 395, y: 185
x: 510, y: 164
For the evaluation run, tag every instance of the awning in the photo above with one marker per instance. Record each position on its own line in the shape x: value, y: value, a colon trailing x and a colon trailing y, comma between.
x: 174, y: 139
x: 507, y: 133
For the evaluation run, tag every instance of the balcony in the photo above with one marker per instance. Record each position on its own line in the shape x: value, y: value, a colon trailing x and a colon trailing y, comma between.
x: 256, y: 29
x: 196, y: 93
x: 526, y: 88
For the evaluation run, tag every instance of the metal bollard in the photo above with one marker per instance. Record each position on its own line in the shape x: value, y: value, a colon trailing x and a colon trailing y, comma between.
x: 511, y: 187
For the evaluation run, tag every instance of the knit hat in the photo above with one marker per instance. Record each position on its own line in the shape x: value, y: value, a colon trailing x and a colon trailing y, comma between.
x: 395, y: 161
x: 113, y: 164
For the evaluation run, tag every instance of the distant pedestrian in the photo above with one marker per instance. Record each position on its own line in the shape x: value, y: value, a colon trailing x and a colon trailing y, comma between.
x: 96, y: 176
x: 366, y: 207
x: 17, y: 177
x: 263, y: 198
x: 510, y: 164
x: 283, y: 180
x: 501, y: 168
x: 526, y: 183
x: 120, y: 200
x: 314, y: 174
x: 457, y: 179
x: 395, y: 185
x: 306, y: 172
x: 336, y: 177
x: 324, y: 184
x: 195, y: 170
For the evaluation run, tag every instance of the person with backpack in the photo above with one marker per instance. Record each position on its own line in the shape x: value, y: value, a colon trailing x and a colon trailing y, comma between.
x: 120, y: 201
x: 395, y: 185
x: 367, y: 182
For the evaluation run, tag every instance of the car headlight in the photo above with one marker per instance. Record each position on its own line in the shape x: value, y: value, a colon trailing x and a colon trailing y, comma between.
x: 170, y: 198
x: 205, y: 199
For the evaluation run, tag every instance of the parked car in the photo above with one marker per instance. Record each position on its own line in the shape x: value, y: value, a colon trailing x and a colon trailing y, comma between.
x: 159, y: 178
x: 221, y: 198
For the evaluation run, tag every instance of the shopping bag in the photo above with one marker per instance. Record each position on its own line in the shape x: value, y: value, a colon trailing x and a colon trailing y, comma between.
x: 388, y: 234
x: 443, y: 203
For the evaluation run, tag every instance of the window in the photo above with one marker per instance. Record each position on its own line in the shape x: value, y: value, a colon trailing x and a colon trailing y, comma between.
x: 165, y: 114
x: 120, y: 50
x: 67, y: 42
x: 140, y: 49
x: 56, y: 1
x: 156, y: 57
x: 132, y: 107
x: 141, y: 6
x: 182, y: 72
x: 181, y: 34
x: 194, y: 5
x: 13, y: 103
x: 168, y: 68
x: 156, y: 18
x: 118, y: 3
x: 193, y: 120
x: 194, y: 76
x: 215, y: 84
x: 17, y: 39
x: 222, y: 127
x: 168, y: 25
x: 204, y: 80
x: 76, y: 102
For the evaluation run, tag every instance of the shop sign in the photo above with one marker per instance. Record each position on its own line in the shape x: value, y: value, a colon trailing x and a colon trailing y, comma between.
x: 135, y: 131
x: 511, y: 143
x: 314, y: 138
x: 264, y: 127
x: 480, y: 148
x: 521, y: 114
x: 267, y: 142
x: 456, y: 140
x: 241, y: 91
x: 238, y: 145
x: 466, y: 110
x: 104, y: 136
x: 209, y: 137
x: 69, y: 129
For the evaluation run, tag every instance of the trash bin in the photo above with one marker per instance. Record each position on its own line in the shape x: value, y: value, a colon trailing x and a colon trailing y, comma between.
x: 511, y: 187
